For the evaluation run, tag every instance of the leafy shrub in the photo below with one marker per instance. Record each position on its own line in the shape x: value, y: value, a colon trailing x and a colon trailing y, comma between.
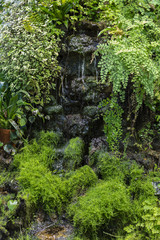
x: 29, y: 53
x: 74, y: 152
x: 107, y: 207
x: 80, y: 180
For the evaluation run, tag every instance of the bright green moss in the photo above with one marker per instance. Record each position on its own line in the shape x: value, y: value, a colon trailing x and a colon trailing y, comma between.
x: 41, y: 149
x: 49, y: 138
x: 40, y: 187
x: 73, y: 153
x: 107, y: 207
x: 109, y: 166
x: 80, y: 180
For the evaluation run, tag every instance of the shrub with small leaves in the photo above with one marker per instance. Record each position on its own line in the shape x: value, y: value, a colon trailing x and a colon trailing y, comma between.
x: 29, y: 53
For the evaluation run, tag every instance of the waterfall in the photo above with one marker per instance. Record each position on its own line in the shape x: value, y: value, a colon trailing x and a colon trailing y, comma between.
x: 83, y: 68
x: 79, y: 67
x: 96, y: 70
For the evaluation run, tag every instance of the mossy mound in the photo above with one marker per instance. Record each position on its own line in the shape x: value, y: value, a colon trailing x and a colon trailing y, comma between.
x: 73, y: 153
x: 104, y: 207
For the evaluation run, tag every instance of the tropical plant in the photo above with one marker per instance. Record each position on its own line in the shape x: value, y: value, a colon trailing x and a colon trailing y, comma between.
x: 57, y: 10
x: 11, y: 112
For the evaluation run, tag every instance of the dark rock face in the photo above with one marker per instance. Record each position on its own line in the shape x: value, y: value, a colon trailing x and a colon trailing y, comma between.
x: 76, y: 125
x: 79, y: 93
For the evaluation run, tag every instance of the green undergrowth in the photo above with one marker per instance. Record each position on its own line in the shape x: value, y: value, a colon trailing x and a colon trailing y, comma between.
x: 78, y: 181
x: 41, y: 186
x: 119, y: 206
x: 113, y: 200
x: 107, y: 206
x: 8, y: 206
x: 42, y: 149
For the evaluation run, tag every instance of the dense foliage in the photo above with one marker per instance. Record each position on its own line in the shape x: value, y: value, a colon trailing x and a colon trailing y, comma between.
x: 130, y: 58
x: 116, y: 198
x: 29, y: 54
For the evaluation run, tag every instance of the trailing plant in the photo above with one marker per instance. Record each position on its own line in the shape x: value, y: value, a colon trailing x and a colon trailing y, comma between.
x: 29, y: 54
x: 112, y: 116
x: 146, y: 135
x: 130, y: 58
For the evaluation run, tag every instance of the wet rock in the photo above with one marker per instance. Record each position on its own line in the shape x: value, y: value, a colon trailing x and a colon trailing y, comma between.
x: 55, y: 233
x: 78, y: 86
x: 142, y: 158
x: 12, y: 186
x: 90, y: 28
x: 81, y: 44
x: 76, y: 125
x: 5, y: 159
x: 97, y: 145
x: 156, y: 144
x: 58, y: 165
x: 76, y: 57
x: 156, y: 186
x: 51, y: 227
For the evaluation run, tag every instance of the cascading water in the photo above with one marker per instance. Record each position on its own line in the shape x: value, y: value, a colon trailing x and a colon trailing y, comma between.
x: 83, y: 68
x: 79, y: 67
x: 96, y: 70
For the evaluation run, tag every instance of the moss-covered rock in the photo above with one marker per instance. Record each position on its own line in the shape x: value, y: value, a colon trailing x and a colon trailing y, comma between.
x: 73, y: 153
x: 40, y: 187
x: 50, y: 110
